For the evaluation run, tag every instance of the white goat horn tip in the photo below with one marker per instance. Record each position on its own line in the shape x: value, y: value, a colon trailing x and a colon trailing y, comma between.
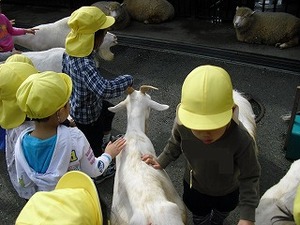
x: 145, y: 88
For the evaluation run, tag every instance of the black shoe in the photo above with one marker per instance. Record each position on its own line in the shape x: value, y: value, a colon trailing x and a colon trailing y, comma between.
x: 112, y: 139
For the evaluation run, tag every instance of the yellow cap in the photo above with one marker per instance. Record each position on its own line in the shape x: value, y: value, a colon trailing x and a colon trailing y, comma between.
x: 12, y: 75
x: 74, y: 201
x: 19, y: 58
x: 206, y: 99
x: 84, y: 22
x: 296, y: 210
x: 42, y: 94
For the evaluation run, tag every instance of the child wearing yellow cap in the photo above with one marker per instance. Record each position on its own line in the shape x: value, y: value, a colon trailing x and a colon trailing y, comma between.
x: 73, y: 201
x: 222, y: 169
x: 46, y: 152
x: 12, y: 74
x: 89, y: 105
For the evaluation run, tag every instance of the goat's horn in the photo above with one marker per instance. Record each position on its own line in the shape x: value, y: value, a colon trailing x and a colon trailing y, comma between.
x: 145, y: 88
x: 129, y: 90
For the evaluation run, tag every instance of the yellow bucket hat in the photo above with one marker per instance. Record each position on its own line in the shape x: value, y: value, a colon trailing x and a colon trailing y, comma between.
x: 84, y: 22
x: 206, y: 99
x: 42, y: 94
x: 74, y: 201
x: 296, y: 210
x: 12, y: 75
x: 19, y: 58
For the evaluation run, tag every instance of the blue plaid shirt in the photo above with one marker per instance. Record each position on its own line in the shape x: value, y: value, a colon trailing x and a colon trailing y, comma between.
x: 90, y: 88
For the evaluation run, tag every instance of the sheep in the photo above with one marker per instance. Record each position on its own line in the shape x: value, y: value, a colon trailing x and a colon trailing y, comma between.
x: 276, y: 204
x: 271, y: 28
x: 150, y: 11
x: 52, y: 35
x: 142, y: 195
x: 116, y: 10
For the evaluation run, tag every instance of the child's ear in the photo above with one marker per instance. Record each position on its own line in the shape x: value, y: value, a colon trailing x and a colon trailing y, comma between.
x: 234, y: 107
x: 60, y: 113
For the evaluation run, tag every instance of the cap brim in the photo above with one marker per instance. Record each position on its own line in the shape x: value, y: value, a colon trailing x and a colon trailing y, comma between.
x: 203, y: 122
x: 77, y: 179
x: 11, y: 115
x: 109, y: 22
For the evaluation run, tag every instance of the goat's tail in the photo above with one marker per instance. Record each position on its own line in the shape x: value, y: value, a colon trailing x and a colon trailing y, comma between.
x: 246, y: 114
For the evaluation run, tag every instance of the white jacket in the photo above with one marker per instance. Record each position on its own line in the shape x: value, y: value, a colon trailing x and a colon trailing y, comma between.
x: 11, y: 139
x: 72, y: 152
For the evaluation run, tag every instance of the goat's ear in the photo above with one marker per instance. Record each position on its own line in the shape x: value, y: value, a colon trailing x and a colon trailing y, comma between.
x: 157, y: 106
x: 145, y: 88
x: 118, y: 107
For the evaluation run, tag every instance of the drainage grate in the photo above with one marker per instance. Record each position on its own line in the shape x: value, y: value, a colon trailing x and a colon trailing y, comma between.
x: 258, y: 108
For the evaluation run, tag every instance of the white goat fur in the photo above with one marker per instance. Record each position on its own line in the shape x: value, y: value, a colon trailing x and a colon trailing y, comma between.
x: 52, y: 35
x: 280, y: 195
x: 246, y: 115
x: 142, y: 195
x: 49, y: 60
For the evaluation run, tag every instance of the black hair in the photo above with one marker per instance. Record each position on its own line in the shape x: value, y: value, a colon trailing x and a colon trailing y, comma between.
x: 100, y: 33
x: 41, y: 120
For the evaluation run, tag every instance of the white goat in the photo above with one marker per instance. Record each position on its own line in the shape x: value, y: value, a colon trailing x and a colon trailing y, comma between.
x: 49, y: 60
x: 276, y: 205
x: 52, y: 35
x: 142, y: 195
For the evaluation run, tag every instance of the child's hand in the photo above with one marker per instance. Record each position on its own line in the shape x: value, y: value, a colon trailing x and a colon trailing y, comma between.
x: 150, y: 160
x: 114, y: 148
x: 14, y: 51
x: 31, y: 30
x: 245, y: 222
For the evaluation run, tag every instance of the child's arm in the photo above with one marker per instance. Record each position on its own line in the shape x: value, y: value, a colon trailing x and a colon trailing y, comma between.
x: 30, y: 31
x: 151, y: 160
x: 14, y: 31
x: 96, y: 166
x: 246, y: 222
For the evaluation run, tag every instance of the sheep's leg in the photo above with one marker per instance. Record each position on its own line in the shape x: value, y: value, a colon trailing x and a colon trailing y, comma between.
x: 294, y: 41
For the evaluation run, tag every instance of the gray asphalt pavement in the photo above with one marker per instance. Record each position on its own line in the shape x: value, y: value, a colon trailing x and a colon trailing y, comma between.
x: 166, y: 70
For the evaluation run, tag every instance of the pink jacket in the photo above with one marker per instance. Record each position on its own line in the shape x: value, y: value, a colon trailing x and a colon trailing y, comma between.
x: 6, y: 33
